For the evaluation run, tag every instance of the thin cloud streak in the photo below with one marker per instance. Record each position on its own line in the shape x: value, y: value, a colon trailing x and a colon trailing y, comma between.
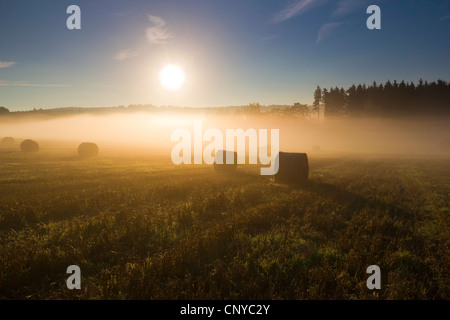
x: 158, y: 33
x: 120, y: 14
x: 26, y: 84
x: 326, y: 30
x: 269, y: 38
x: 345, y: 7
x: 125, y: 54
x: 5, y: 64
x: 296, y: 8
x: 444, y: 17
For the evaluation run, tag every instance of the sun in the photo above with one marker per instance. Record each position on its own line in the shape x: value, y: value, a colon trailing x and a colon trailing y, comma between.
x: 172, y: 77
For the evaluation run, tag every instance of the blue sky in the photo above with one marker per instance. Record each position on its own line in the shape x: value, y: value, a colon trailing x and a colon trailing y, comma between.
x: 232, y: 52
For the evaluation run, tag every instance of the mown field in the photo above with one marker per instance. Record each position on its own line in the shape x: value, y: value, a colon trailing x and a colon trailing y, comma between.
x: 142, y: 228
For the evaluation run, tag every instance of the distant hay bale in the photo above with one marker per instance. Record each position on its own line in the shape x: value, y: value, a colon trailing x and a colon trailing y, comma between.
x: 293, y: 168
x: 87, y: 150
x: 7, y: 141
x: 224, y: 167
x: 316, y: 148
x: 29, y: 146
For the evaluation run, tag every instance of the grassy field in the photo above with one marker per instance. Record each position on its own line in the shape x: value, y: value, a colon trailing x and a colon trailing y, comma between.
x: 146, y: 229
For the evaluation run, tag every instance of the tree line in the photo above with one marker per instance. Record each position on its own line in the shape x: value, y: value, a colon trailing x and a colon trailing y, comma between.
x: 388, y: 99
x: 382, y: 100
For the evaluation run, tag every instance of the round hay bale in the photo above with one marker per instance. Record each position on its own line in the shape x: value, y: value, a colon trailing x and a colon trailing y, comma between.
x: 293, y: 168
x: 29, y: 146
x: 316, y: 148
x: 87, y: 150
x: 7, y: 141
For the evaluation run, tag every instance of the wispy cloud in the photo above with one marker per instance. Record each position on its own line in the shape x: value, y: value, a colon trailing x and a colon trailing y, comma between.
x: 120, y: 14
x: 125, y: 54
x: 158, y: 33
x: 444, y: 17
x: 345, y: 7
x: 326, y: 30
x: 26, y: 84
x: 5, y: 64
x: 296, y: 8
x: 269, y: 38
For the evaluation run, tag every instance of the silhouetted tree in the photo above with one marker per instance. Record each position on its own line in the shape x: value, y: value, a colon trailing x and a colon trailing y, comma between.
x: 253, y: 108
x: 391, y: 99
x: 317, y: 100
x: 299, y: 110
x: 334, y: 102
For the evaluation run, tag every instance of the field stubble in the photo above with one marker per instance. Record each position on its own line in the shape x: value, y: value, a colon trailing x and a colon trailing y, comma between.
x: 146, y: 229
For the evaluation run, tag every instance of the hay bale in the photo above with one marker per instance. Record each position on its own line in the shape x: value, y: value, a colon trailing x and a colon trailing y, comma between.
x: 226, y: 168
x: 7, y: 141
x: 316, y: 148
x: 293, y: 168
x: 87, y: 150
x: 29, y: 146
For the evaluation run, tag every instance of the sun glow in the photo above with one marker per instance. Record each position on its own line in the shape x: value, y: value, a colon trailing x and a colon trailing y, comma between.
x: 172, y: 77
